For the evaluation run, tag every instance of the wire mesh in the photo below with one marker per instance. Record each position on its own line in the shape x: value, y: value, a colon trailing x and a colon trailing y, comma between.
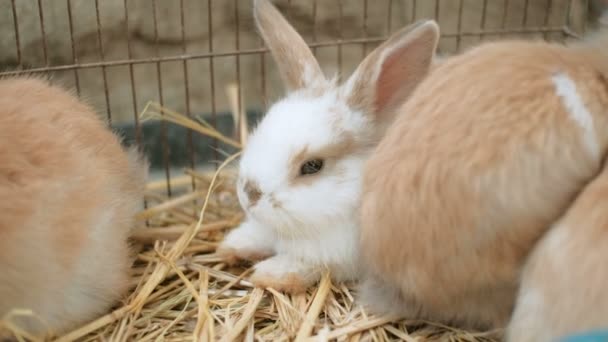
x: 120, y: 54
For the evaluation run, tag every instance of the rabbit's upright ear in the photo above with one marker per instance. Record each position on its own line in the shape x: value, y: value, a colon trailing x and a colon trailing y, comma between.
x: 297, y: 65
x: 389, y: 74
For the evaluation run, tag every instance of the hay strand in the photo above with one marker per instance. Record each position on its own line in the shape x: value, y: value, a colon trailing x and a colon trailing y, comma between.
x: 254, y: 301
x: 315, y: 308
x: 153, y: 110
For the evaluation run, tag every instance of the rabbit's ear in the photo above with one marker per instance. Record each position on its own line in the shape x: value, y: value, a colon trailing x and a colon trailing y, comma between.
x: 389, y: 74
x: 297, y: 65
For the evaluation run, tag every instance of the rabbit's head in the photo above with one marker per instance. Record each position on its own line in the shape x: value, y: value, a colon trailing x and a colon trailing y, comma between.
x: 301, y: 169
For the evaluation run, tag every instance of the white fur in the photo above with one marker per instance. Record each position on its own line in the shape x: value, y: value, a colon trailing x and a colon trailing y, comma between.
x: 528, y: 317
x: 335, y: 249
x: 314, y: 225
x: 310, y: 76
x: 566, y: 89
x: 251, y: 236
x: 532, y: 316
x: 556, y: 241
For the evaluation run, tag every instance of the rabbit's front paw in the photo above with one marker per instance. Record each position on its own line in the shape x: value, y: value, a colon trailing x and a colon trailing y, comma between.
x: 284, y: 274
x: 250, y: 241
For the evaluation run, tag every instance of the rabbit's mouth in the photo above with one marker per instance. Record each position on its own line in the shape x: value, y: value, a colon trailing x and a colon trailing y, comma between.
x: 264, y: 212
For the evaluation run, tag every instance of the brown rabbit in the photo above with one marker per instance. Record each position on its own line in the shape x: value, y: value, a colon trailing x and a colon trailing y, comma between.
x: 68, y: 195
x: 490, y: 150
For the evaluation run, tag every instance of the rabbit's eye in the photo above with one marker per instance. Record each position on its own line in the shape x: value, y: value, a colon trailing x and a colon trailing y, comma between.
x: 311, y: 166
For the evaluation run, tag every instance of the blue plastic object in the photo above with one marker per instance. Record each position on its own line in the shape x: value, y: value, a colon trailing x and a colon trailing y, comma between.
x: 591, y: 336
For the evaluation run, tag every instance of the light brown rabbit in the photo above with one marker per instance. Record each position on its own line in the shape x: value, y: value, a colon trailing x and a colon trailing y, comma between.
x: 68, y: 196
x: 563, y: 289
x: 488, y: 152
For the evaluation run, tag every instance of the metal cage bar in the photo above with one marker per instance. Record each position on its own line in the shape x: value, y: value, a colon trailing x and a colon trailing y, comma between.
x: 204, y: 53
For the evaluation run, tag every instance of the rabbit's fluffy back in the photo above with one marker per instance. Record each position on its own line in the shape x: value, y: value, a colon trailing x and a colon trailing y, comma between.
x: 68, y: 195
x: 495, y: 145
x: 562, y: 289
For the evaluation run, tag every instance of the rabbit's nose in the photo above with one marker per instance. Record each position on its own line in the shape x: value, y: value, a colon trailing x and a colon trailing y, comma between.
x: 253, y: 192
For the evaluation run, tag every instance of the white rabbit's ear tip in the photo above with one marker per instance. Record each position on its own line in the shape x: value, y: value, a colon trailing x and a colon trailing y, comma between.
x: 297, y: 65
x: 261, y: 3
x: 428, y: 24
x: 421, y: 22
x: 266, y: 9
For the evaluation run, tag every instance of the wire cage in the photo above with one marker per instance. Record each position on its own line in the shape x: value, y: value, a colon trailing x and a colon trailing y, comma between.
x: 121, y: 54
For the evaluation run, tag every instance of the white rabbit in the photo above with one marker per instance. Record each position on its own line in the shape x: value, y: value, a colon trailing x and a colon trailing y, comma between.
x: 300, y: 174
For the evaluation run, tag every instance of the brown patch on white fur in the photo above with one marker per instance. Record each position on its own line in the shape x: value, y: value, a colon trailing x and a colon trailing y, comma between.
x: 318, y: 89
x: 345, y: 146
x: 563, y: 287
x: 480, y: 161
x: 253, y: 192
x: 68, y: 196
x: 389, y: 74
x: 297, y: 65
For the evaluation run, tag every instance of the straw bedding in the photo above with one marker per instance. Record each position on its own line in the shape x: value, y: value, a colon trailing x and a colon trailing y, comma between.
x: 182, y: 291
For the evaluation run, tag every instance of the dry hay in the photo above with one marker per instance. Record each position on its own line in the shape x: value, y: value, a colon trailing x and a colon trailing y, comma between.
x: 182, y: 291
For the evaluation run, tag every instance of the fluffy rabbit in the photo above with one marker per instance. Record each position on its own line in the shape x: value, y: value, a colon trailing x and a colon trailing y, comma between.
x: 563, y: 289
x: 68, y: 195
x: 300, y: 174
x: 496, y: 144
